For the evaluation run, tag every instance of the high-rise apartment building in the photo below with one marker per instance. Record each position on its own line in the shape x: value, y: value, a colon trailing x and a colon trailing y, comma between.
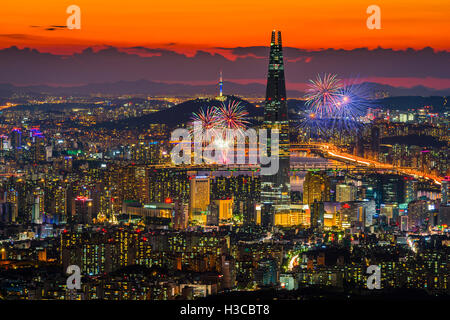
x: 199, y: 199
x: 316, y: 187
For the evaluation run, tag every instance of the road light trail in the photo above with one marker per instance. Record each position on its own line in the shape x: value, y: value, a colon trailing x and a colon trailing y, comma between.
x: 326, y: 148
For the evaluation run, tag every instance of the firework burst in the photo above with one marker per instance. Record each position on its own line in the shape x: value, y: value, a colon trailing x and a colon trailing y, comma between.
x: 353, y: 101
x: 208, y: 118
x: 232, y: 115
x: 335, y: 105
x: 322, y: 94
x: 217, y: 120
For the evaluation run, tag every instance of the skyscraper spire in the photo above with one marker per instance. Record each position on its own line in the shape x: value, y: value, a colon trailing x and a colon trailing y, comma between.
x: 276, y: 107
x: 275, y: 189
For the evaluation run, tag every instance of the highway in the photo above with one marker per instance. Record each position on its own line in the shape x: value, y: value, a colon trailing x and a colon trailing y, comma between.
x: 332, y: 152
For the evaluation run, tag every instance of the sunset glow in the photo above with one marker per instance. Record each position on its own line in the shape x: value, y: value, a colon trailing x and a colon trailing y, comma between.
x: 206, y: 24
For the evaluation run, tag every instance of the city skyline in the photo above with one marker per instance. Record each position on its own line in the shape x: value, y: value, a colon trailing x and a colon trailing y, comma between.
x: 237, y: 171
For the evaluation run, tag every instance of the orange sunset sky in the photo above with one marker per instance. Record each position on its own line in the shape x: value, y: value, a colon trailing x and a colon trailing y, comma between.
x: 189, y: 25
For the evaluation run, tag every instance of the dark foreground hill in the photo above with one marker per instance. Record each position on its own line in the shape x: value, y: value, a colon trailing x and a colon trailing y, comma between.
x: 179, y: 114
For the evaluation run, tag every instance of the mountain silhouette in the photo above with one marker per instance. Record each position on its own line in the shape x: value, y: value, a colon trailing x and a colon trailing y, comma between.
x: 179, y: 114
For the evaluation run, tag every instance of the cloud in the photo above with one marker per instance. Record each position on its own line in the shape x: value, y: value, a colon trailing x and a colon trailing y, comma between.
x: 109, y: 64
x: 50, y: 28
x: 17, y: 36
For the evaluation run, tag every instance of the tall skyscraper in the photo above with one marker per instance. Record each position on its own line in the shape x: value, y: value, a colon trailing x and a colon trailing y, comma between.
x: 375, y: 140
x: 181, y: 217
x: 445, y: 191
x: 410, y: 189
x: 38, y: 146
x: 16, y: 138
x: 345, y: 193
x: 275, y: 189
x: 199, y: 199
x: 393, y: 187
x: 316, y: 187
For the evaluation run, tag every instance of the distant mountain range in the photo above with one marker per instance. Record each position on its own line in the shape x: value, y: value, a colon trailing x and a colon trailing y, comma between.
x: 153, y: 88
x: 27, y: 66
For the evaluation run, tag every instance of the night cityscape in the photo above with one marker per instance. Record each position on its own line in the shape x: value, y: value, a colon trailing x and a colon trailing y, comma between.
x: 119, y: 186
